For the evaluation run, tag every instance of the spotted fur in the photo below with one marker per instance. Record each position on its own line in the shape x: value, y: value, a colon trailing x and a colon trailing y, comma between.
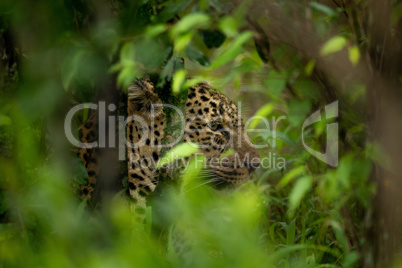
x: 212, y: 121
x: 88, y: 133
x: 145, y: 130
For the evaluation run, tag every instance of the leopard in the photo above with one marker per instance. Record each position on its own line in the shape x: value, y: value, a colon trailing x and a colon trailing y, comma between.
x: 212, y: 122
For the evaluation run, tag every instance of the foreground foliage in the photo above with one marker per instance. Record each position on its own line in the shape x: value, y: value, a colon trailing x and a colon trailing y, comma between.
x: 295, y: 212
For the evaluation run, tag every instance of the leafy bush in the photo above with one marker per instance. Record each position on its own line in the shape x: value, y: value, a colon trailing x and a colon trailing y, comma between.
x: 296, y: 211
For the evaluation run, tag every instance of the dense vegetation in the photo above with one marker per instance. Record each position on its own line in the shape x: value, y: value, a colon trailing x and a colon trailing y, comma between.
x: 283, y: 60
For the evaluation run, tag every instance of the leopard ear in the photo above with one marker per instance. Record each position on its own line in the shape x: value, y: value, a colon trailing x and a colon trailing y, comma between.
x: 141, y: 94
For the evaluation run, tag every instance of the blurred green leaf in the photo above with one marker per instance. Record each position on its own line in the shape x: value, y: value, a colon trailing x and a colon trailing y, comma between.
x: 178, y: 81
x: 229, y: 27
x: 300, y: 189
x: 232, y: 51
x: 212, y: 38
x: 291, y: 232
x: 79, y: 171
x: 192, y: 82
x: 126, y: 66
x: 324, y: 9
x: 309, y: 67
x: 351, y: 259
x: 182, y: 41
x: 293, y: 173
x: 76, y: 42
x: 171, y: 8
x: 333, y: 45
x: 376, y: 152
x: 197, y: 56
x: 81, y: 209
x: 263, y: 112
x: 283, y: 137
x: 354, y: 55
x: 191, y: 185
x: 298, y: 111
x: 340, y: 234
x: 272, y: 231
x: 150, y: 53
x: 155, y: 30
x: 174, y: 64
x: 276, y: 82
x: 190, y: 22
x: 179, y: 151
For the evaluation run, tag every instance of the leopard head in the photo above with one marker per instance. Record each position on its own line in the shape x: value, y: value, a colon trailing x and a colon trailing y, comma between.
x: 214, y: 123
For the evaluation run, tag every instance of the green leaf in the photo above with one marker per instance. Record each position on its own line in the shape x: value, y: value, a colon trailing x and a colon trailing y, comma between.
x: 340, y: 234
x: 290, y: 232
x: 333, y: 45
x: 182, y: 41
x: 71, y: 66
x: 126, y: 75
x: 228, y: 25
x: 178, y: 81
x: 192, y: 82
x: 171, y: 8
x: 126, y: 66
x: 191, y: 179
x: 197, y: 56
x: 150, y: 53
x: 354, y: 55
x: 272, y: 231
x: 179, y: 151
x: 291, y: 175
x: 377, y: 153
x: 263, y: 112
x: 283, y: 137
x: 189, y: 22
x: 79, y: 171
x: 324, y: 9
x: 174, y: 64
x: 351, y: 259
x: 212, y: 38
x: 233, y: 50
x: 298, y: 111
x: 308, y: 70
x: 155, y: 30
x: 276, y: 82
x: 81, y: 209
x: 302, y: 186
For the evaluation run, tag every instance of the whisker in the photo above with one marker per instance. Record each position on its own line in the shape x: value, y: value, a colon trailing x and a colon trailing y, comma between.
x: 201, y: 184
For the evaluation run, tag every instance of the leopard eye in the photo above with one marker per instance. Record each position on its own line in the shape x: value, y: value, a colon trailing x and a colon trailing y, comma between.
x: 215, y: 126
